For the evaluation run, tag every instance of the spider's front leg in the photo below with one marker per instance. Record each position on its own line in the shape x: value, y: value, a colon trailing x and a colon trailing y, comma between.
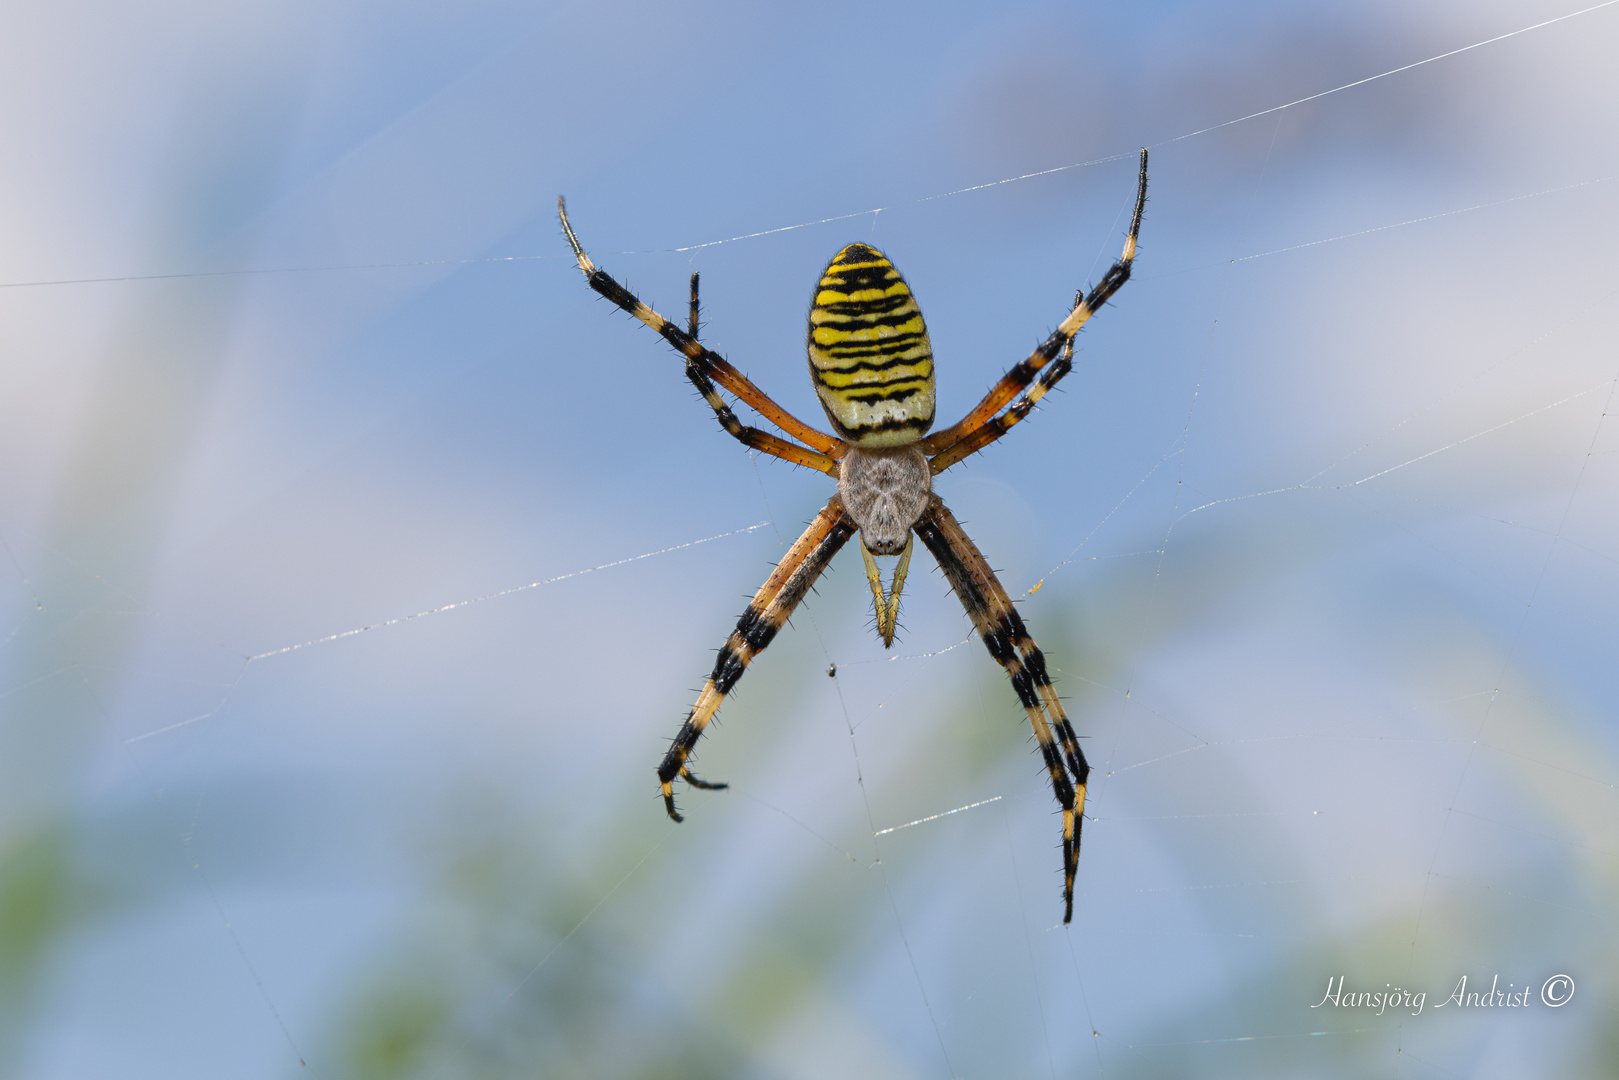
x: 998, y: 623
x: 766, y: 613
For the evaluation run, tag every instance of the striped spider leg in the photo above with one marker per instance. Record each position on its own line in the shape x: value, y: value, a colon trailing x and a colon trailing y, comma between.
x: 999, y: 624
x: 982, y: 425
x: 871, y: 363
x: 771, y: 606
x: 804, y: 561
x: 705, y: 368
x: 971, y: 577
x: 766, y: 612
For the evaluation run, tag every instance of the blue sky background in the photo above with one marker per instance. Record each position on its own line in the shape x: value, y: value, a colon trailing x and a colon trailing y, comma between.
x: 1323, y: 527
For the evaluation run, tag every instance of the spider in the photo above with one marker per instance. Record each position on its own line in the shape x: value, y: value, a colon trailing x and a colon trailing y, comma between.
x: 872, y: 366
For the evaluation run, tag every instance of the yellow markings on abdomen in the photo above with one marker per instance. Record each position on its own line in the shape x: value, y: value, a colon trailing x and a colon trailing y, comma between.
x: 869, y: 352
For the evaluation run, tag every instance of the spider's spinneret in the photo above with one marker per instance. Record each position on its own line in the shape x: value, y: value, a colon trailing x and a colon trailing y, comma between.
x: 868, y: 351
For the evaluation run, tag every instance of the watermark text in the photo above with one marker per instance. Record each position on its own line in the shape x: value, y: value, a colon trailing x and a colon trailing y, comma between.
x: 1554, y: 992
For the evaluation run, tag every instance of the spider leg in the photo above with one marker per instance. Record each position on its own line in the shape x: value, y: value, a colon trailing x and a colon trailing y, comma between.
x: 751, y: 437
x: 766, y: 613
x: 998, y: 623
x: 709, y: 364
x: 1059, y: 344
x: 692, y: 320
x: 997, y: 426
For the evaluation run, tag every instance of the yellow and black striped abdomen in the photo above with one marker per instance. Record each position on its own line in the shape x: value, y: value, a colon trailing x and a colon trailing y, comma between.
x: 868, y: 351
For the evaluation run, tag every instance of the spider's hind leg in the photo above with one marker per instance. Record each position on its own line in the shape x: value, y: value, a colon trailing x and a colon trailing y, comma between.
x: 713, y: 368
x: 691, y: 322
x: 985, y: 422
x: 750, y: 437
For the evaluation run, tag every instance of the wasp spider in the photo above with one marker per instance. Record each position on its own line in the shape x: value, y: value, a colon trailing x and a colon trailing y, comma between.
x: 872, y: 366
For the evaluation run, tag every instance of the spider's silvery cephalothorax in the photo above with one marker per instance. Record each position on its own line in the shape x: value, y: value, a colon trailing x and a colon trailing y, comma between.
x: 885, y: 491
x: 872, y: 365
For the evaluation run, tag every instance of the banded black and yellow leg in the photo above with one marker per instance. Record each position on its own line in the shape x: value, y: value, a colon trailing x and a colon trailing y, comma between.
x: 1034, y: 661
x: 997, y: 426
x: 1059, y: 344
x: 769, y: 609
x: 887, y: 608
x: 751, y: 437
x: 691, y: 321
x: 709, y: 364
x: 998, y: 623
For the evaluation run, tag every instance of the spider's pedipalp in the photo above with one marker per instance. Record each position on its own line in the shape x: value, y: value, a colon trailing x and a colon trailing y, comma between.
x: 887, y: 604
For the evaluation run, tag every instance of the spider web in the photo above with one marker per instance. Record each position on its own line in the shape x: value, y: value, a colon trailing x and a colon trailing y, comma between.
x: 358, y: 563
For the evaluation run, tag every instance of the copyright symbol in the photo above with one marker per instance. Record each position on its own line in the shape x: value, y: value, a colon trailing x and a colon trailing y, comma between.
x: 1557, y: 990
